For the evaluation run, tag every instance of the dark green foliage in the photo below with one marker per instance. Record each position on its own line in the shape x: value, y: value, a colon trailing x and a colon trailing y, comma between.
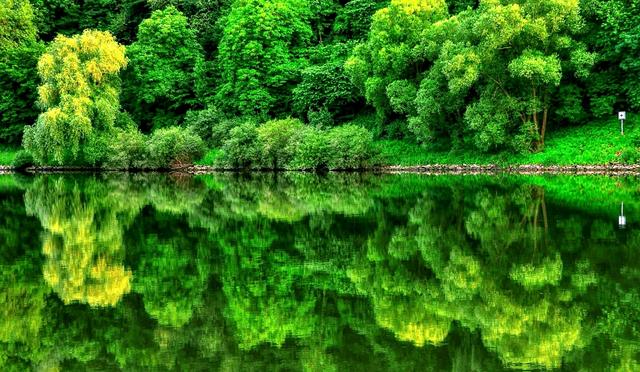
x: 324, y: 87
x: 491, y: 77
x: 18, y: 90
x: 208, y: 124
x: 354, y: 19
x: 612, y: 30
x: 206, y: 17
x: 68, y: 17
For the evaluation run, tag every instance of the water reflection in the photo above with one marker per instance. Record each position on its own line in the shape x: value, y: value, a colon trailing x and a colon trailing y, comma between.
x: 305, y: 272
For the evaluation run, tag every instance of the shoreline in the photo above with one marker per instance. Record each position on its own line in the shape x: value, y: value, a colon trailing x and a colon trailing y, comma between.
x: 429, y: 169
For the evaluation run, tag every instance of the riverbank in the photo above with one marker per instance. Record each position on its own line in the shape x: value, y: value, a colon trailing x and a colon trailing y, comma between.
x: 434, y: 169
x: 593, y: 148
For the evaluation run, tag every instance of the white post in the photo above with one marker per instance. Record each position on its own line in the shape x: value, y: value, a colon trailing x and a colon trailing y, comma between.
x: 622, y: 115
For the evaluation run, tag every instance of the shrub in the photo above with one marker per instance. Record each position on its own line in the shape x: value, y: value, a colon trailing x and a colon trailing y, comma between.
x: 240, y: 150
x: 22, y: 160
x: 311, y: 149
x: 173, y: 146
x: 127, y: 150
x: 350, y: 147
x: 275, y: 141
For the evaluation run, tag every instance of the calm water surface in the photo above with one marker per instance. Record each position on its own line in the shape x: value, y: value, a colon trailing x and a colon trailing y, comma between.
x: 298, y: 272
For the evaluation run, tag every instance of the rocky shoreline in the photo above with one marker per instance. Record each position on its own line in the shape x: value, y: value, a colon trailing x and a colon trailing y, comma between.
x: 605, y: 169
x: 435, y: 169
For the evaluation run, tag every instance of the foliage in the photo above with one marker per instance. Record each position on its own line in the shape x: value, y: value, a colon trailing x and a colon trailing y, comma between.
x: 128, y: 149
x: 324, y: 86
x: 16, y: 24
x: 598, y: 142
x: 241, y: 149
x: 260, y: 55
x: 19, y: 53
x: 311, y: 149
x: 22, y: 160
x: 79, y: 95
x: 350, y: 147
x: 173, y: 146
x: 160, y: 88
x: 210, y: 124
x: 276, y: 143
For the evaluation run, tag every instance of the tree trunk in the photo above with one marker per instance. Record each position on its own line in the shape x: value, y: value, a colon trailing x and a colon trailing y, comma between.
x: 544, y: 127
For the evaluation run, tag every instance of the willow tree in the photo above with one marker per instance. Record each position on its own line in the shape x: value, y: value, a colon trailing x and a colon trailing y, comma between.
x: 79, y: 95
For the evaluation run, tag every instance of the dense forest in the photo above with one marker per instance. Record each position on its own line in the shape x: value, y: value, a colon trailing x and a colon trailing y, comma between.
x: 308, y: 83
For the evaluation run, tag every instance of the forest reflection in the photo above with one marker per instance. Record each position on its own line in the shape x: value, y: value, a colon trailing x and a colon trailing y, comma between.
x: 307, y: 272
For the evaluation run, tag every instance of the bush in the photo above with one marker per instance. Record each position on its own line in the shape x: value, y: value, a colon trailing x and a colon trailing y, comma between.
x: 350, y: 147
x: 241, y: 150
x: 22, y: 160
x: 311, y: 149
x: 173, y: 146
x: 127, y: 150
x: 275, y: 141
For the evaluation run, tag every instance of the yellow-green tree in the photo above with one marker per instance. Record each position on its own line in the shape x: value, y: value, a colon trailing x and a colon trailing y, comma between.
x: 79, y: 95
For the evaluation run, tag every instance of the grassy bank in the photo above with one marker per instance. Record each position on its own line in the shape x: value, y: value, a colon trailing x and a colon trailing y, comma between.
x: 7, y: 155
x: 594, y: 143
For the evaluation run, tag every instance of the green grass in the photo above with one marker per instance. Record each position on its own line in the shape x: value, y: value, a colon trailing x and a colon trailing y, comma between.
x: 210, y: 157
x: 7, y: 155
x: 593, y: 143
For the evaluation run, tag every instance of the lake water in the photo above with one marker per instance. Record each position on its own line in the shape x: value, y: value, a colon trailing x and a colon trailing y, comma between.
x: 299, y: 272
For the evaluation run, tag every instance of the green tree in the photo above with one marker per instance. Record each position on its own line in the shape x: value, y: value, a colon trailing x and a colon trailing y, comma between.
x: 79, y: 94
x: 534, y: 42
x: 260, y: 55
x: 159, y: 84
x: 387, y: 54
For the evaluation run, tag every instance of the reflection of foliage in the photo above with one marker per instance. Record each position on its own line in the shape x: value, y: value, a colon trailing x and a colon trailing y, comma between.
x: 83, y: 241
x: 449, y: 263
x: 307, y: 272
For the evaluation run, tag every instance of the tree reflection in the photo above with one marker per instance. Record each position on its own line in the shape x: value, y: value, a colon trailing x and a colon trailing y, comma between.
x: 301, y: 272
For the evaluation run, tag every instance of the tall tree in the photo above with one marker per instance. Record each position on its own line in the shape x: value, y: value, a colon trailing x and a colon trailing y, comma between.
x: 159, y: 85
x: 261, y: 53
